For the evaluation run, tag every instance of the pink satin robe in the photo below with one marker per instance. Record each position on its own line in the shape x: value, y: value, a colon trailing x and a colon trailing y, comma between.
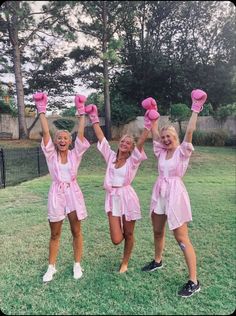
x: 171, y: 187
x: 130, y: 206
x: 64, y: 197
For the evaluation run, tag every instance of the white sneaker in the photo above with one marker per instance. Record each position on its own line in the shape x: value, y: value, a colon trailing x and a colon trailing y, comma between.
x: 77, y: 270
x: 49, y: 274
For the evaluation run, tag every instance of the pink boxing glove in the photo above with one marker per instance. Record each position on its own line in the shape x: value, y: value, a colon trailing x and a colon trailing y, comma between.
x: 40, y: 100
x: 79, y: 104
x: 150, y: 115
x: 149, y: 104
x: 92, y: 111
x: 198, y: 99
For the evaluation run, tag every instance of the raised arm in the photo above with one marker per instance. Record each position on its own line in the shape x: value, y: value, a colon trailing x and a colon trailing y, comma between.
x: 198, y: 99
x: 81, y: 123
x: 191, y: 127
x: 92, y: 111
x: 142, y: 139
x: 155, y: 131
x: 80, y: 112
x: 40, y: 100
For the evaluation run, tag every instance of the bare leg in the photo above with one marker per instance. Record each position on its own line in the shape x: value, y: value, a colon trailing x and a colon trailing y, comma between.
x: 181, y: 236
x: 54, y: 241
x: 77, y: 236
x: 116, y: 232
x: 129, y: 244
x: 158, y: 223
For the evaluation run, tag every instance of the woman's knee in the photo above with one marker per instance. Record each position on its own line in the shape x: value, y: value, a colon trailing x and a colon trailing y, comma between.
x: 128, y: 235
x: 76, y: 233
x: 55, y: 236
x: 116, y: 240
x: 159, y: 234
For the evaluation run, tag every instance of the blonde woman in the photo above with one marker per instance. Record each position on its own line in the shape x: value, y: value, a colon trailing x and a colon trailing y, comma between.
x: 121, y: 202
x: 170, y: 200
x: 65, y: 199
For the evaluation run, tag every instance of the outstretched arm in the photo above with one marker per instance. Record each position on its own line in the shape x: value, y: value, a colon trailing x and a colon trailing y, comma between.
x: 98, y: 131
x: 80, y: 111
x: 142, y: 139
x: 198, y: 99
x: 155, y: 131
x: 45, y: 128
x: 150, y: 123
x: 191, y: 127
x: 92, y: 111
x: 40, y: 100
x: 81, y: 123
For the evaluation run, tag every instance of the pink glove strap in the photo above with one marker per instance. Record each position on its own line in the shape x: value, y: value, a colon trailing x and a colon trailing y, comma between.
x: 147, y: 122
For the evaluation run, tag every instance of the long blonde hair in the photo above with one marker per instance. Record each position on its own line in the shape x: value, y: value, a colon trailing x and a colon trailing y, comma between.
x: 133, y: 144
x: 171, y: 129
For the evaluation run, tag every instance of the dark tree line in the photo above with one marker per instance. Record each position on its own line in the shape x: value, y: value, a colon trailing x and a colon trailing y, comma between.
x: 133, y: 49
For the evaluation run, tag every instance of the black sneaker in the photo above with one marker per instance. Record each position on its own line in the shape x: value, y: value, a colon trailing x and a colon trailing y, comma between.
x: 189, y: 289
x: 152, y: 266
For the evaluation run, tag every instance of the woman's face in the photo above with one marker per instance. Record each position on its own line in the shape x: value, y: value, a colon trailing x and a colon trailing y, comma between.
x: 126, y: 145
x: 63, y: 141
x: 168, y: 139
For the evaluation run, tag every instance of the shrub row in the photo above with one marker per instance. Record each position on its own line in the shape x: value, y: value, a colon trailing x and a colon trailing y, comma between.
x: 213, y: 138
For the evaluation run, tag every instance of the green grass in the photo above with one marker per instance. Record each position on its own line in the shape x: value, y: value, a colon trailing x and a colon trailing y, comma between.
x: 24, y: 231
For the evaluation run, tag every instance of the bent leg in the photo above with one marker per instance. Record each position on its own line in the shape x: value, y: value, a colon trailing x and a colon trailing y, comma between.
x: 77, y: 235
x: 54, y: 241
x: 116, y: 232
x: 158, y: 223
x: 181, y: 236
x: 129, y: 243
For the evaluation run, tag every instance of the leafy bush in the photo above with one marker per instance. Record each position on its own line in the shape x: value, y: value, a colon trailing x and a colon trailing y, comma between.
x: 8, y: 108
x: 207, y: 110
x: 223, y: 112
x: 213, y: 138
x: 231, y: 141
x: 69, y: 112
x: 64, y: 124
x: 178, y: 113
x: 122, y: 112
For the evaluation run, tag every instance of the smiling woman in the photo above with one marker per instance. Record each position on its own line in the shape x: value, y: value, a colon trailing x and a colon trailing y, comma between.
x: 121, y: 202
x: 65, y: 199
x: 170, y: 200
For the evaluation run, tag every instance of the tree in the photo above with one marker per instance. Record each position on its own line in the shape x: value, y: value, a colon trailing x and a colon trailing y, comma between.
x: 19, y: 29
x: 186, y: 45
x: 102, y: 23
x: 179, y: 113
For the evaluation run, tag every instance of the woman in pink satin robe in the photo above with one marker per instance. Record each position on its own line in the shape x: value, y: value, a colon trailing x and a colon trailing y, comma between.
x: 121, y: 202
x: 170, y: 200
x: 65, y: 199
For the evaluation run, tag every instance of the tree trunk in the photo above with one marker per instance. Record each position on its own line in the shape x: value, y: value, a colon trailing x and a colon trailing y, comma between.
x: 23, y: 133
x: 106, y: 76
x: 13, y: 35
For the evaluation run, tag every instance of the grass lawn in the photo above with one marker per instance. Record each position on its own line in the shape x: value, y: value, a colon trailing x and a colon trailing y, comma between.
x: 24, y: 231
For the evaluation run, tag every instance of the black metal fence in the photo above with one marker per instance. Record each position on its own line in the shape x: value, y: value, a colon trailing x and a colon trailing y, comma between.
x: 22, y: 164
x: 18, y: 165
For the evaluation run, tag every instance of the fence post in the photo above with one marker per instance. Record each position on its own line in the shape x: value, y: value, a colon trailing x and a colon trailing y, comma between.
x: 38, y: 161
x: 3, y: 175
